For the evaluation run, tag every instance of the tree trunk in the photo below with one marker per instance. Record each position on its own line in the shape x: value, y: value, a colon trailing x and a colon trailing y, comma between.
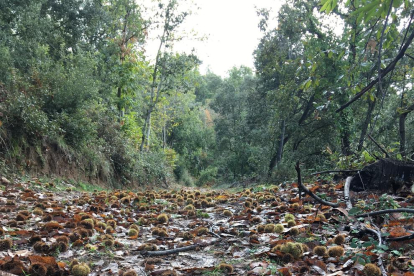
x: 403, y: 117
x: 371, y: 105
x: 345, y: 134
x: 279, y: 153
x: 282, y: 138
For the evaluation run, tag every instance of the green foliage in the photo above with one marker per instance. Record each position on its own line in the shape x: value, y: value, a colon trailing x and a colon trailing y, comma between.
x: 75, y: 85
x: 207, y: 176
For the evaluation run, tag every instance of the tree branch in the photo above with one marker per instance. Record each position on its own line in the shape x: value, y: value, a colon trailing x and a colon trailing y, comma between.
x: 333, y: 171
x: 306, y: 190
x: 378, y: 145
x: 387, y: 211
x: 387, y: 70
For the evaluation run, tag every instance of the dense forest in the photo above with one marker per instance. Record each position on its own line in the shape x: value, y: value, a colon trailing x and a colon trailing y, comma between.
x: 332, y: 88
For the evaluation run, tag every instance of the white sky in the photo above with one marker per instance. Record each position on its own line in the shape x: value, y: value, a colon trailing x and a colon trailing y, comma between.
x: 231, y: 27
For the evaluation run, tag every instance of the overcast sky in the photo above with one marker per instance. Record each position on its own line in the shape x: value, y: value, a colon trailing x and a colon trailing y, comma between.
x: 231, y: 27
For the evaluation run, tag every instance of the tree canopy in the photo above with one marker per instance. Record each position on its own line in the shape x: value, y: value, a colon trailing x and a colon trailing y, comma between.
x: 331, y: 86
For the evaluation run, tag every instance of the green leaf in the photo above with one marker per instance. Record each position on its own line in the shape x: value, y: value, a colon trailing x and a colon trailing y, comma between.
x: 397, y: 3
x: 354, y: 211
x: 327, y: 6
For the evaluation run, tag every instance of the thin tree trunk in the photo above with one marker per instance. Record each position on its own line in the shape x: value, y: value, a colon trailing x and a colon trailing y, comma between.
x: 345, y: 134
x: 279, y: 153
x: 149, y: 131
x: 371, y: 105
x: 282, y: 138
x: 403, y: 117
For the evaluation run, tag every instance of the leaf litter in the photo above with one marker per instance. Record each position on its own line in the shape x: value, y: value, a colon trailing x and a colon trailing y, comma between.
x: 267, y: 231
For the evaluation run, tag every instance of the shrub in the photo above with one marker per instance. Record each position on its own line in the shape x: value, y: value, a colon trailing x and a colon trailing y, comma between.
x: 207, y: 176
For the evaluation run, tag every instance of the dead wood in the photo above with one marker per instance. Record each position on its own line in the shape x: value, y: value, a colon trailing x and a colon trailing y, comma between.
x: 177, y: 250
x: 334, y: 171
x: 379, y: 146
x: 384, y: 175
x: 387, y: 211
x: 347, y: 198
x: 306, y: 190
x: 380, y: 262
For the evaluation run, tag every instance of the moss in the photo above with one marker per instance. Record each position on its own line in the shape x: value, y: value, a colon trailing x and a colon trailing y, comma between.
x: 336, y: 251
x: 372, y: 270
x: 81, y: 269
x: 320, y: 250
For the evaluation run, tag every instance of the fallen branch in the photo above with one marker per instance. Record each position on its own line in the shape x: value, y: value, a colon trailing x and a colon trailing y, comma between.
x: 306, y: 190
x: 387, y: 211
x: 378, y: 145
x: 387, y: 69
x: 334, y: 171
x: 380, y: 263
x: 346, y: 192
x: 403, y: 238
x: 176, y: 250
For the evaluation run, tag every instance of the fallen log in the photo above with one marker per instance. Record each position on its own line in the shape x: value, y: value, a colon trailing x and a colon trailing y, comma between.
x: 386, y: 175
